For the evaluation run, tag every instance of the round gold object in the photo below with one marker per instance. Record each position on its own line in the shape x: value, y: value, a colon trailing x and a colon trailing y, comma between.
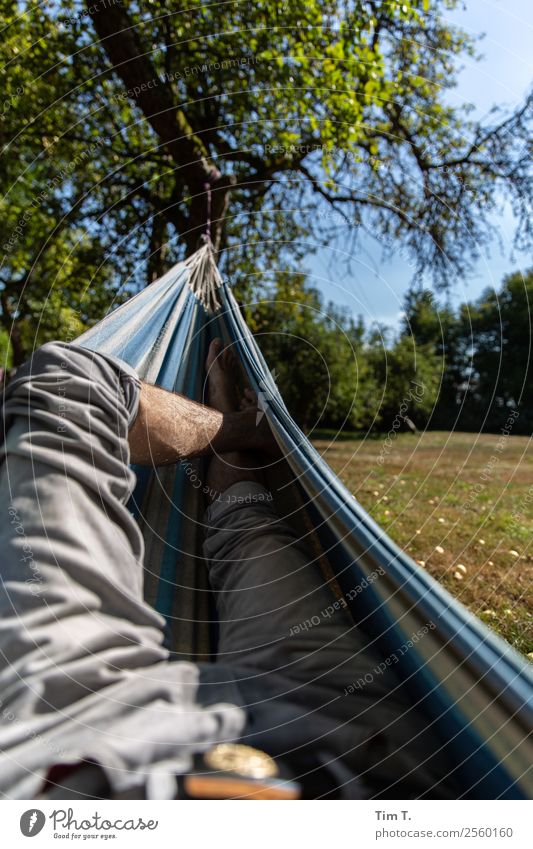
x: 244, y: 760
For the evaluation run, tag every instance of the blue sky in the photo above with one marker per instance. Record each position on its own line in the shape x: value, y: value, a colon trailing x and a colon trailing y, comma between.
x: 503, y: 76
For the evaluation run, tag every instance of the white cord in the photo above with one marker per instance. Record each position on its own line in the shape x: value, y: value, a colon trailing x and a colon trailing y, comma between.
x: 204, y: 277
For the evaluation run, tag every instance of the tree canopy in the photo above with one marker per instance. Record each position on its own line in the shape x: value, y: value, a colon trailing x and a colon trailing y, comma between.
x: 302, y: 120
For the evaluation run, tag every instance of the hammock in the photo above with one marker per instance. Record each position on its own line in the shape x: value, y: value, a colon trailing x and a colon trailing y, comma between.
x: 471, y: 685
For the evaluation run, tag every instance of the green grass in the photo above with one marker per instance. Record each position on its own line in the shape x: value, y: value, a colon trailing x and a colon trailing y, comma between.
x: 469, y: 494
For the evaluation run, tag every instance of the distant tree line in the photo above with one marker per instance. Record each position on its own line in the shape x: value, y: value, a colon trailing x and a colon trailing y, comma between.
x: 460, y: 369
x: 484, y: 350
x: 465, y: 369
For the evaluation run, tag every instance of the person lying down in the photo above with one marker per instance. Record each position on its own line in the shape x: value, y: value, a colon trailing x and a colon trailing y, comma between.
x: 92, y: 704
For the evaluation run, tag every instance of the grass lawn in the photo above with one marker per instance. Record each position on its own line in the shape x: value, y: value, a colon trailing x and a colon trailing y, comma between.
x: 461, y: 505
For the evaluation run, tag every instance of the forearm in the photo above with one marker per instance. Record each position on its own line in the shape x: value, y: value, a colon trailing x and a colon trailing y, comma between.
x: 170, y: 427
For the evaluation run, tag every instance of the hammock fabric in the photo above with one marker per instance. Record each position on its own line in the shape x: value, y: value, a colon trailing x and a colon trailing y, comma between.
x: 474, y: 688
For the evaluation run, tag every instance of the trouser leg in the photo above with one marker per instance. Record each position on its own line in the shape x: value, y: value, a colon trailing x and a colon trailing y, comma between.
x: 82, y: 668
x: 272, y: 600
x: 278, y: 635
x: 70, y: 546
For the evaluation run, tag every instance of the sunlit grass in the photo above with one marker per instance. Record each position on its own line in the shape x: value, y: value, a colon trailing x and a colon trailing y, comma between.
x: 461, y: 514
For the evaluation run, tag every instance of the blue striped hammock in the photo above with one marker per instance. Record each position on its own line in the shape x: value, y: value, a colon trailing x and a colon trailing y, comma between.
x: 474, y: 688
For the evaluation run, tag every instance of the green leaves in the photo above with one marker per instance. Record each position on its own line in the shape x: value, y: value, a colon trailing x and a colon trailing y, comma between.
x: 330, y: 371
x: 480, y: 349
x: 344, y: 102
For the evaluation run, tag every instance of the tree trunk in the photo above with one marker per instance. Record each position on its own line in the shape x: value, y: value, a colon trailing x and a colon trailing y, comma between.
x: 158, y: 249
x: 19, y: 353
x: 208, y: 211
x: 17, y: 349
x: 131, y: 59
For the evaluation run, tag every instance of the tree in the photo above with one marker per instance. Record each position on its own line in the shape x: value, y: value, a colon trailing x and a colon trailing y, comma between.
x: 484, y: 354
x: 502, y: 343
x: 408, y: 377
x: 331, y: 371
x: 64, y: 216
x: 316, y: 355
x: 282, y: 124
x: 448, y: 338
x: 285, y: 105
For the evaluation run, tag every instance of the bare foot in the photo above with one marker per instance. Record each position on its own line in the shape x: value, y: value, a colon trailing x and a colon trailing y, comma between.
x: 222, y: 375
x: 223, y: 394
x: 249, y: 400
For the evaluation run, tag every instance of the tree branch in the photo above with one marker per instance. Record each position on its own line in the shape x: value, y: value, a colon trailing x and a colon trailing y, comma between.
x: 133, y: 64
